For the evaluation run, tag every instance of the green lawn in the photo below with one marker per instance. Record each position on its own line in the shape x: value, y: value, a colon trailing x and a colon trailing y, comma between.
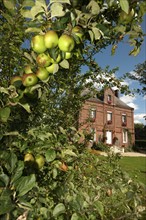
x: 135, y: 167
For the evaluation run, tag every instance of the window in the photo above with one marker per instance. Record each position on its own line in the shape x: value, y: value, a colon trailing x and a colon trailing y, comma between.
x: 109, y: 99
x: 124, y: 120
x: 92, y: 114
x: 109, y: 117
x: 125, y: 136
x: 93, y: 134
x: 109, y: 137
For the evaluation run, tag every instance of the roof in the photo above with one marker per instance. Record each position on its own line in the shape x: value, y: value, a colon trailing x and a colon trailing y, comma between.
x: 117, y: 102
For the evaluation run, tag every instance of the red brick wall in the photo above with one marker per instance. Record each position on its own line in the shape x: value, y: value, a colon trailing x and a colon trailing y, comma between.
x: 101, y: 120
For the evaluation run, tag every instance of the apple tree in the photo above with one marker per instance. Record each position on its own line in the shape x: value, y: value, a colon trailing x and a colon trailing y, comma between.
x: 45, y: 170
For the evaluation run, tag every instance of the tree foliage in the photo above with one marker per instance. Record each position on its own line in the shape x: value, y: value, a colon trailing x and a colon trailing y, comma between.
x: 42, y: 120
x: 139, y: 74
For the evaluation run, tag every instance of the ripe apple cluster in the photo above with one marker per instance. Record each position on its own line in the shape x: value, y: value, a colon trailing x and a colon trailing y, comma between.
x: 64, y: 46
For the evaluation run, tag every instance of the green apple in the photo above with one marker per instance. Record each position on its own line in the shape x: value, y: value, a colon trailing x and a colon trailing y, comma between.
x: 28, y: 157
x: 16, y: 81
x: 42, y: 73
x: 66, y: 43
x: 51, y: 39
x: 78, y: 31
x: 43, y: 60
x: 27, y: 69
x: 51, y: 68
x: 58, y: 59
x: 38, y: 44
x: 68, y: 55
x: 126, y: 18
x: 40, y: 160
x: 29, y: 79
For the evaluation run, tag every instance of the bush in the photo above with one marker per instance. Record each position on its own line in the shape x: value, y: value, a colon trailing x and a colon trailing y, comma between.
x: 100, y: 146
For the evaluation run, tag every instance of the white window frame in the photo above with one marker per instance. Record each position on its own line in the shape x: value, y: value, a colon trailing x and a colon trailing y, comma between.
x: 109, y: 98
x: 92, y: 113
x: 124, y: 118
x: 125, y: 137
x: 109, y: 116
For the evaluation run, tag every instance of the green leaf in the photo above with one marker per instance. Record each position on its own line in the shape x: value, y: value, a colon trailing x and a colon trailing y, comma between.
x: 4, y: 179
x: 55, y: 173
x: 17, y: 172
x: 99, y: 207
x: 33, y: 30
x: 4, y: 90
x: 68, y: 152
x: 93, y: 7
x: 28, y: 56
x: 57, y: 10
x: 6, y: 205
x: 4, y: 114
x: 59, y: 209
x: 26, y: 13
x: 26, y: 106
x: 124, y: 5
x: 50, y: 155
x: 28, y: 3
x: 64, y: 64
x: 135, y: 51
x: 91, y: 35
x: 12, y: 161
x: 10, y: 5
x: 60, y: 1
x: 25, y: 184
x: 75, y: 217
x: 97, y: 33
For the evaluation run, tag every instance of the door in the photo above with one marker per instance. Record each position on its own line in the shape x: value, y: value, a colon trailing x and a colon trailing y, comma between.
x: 109, y: 137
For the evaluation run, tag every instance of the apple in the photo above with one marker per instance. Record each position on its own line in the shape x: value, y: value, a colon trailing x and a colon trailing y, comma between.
x: 43, y: 60
x: 68, y: 55
x: 66, y: 43
x: 40, y: 160
x: 126, y: 18
x: 16, y: 81
x: 29, y: 79
x: 28, y: 157
x: 78, y: 31
x: 27, y: 69
x: 42, y: 73
x: 38, y: 44
x: 51, y: 68
x: 51, y: 39
x: 58, y: 59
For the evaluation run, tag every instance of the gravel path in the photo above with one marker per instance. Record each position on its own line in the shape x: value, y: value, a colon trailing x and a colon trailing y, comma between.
x: 133, y: 154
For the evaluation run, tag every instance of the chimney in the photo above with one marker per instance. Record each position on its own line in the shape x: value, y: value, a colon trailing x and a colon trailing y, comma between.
x: 117, y: 93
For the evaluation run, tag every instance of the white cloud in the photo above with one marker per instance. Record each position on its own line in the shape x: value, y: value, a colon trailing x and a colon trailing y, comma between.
x: 129, y: 100
x: 139, y: 118
x: 144, y: 97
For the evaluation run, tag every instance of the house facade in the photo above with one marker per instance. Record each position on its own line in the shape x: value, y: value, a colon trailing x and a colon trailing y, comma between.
x: 108, y: 119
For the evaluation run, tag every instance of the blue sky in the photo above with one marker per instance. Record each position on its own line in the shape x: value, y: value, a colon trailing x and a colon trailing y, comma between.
x: 127, y: 63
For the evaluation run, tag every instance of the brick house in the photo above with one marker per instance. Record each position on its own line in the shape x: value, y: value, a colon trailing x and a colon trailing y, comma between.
x: 108, y: 119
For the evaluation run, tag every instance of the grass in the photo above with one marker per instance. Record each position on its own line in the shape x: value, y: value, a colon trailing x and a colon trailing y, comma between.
x: 135, y: 167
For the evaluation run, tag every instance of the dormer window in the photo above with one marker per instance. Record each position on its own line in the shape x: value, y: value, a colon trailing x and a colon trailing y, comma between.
x: 109, y: 99
x: 92, y: 114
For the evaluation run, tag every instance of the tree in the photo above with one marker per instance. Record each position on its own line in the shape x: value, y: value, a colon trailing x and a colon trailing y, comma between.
x: 139, y: 74
x: 41, y: 120
x: 140, y: 130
